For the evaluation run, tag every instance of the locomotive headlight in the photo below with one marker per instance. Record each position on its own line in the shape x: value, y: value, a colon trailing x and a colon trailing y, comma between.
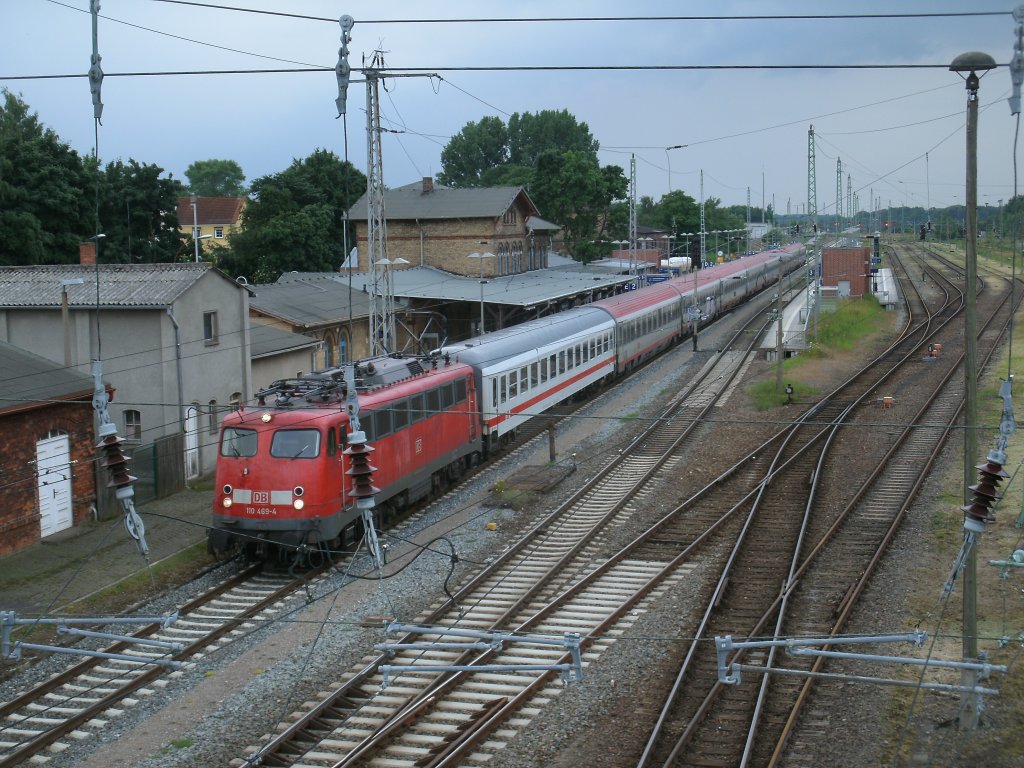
x: 265, y: 418
x: 226, y: 502
x: 298, y: 503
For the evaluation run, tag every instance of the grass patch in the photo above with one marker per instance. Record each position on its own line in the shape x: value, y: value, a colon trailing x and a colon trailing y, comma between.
x: 181, y: 743
x: 168, y: 573
x: 850, y: 326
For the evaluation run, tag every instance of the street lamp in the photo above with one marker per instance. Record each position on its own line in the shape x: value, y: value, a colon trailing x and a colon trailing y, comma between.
x: 480, y: 257
x: 968, y: 65
x: 668, y: 159
x: 195, y: 223
x: 201, y: 237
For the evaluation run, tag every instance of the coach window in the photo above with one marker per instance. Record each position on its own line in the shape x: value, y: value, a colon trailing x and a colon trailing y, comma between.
x: 561, y: 362
x: 524, y: 380
x: 577, y: 355
x: 534, y: 374
x: 543, y: 370
x: 553, y: 366
x: 295, y: 444
x: 513, y: 384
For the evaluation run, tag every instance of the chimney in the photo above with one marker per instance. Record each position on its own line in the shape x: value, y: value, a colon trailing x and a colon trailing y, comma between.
x: 87, y: 254
x: 428, y: 185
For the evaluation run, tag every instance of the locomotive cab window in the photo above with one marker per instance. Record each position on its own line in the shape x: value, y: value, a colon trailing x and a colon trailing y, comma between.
x: 238, y: 442
x: 460, y: 390
x: 295, y: 444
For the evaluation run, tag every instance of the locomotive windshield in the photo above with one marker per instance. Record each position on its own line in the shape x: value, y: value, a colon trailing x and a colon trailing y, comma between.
x: 295, y: 444
x: 238, y: 442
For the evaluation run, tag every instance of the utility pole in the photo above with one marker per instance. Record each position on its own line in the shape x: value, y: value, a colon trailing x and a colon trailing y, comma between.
x: 778, y: 331
x: 839, y: 195
x: 632, y: 214
x: 812, y: 192
x: 971, y: 63
x: 382, y: 315
x: 702, y: 227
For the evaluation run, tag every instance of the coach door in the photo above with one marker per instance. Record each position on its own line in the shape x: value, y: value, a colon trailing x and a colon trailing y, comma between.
x: 53, y: 479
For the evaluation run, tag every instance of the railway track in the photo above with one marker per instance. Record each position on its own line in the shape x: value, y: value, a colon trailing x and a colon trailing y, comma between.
x: 88, y: 695
x: 763, y: 592
x: 547, y: 584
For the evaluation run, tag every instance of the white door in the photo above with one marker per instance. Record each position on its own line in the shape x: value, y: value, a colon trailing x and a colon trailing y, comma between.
x: 192, y: 442
x: 844, y: 289
x: 53, y: 479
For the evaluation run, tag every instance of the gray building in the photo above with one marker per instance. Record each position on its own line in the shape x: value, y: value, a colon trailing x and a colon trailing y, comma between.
x: 173, y: 340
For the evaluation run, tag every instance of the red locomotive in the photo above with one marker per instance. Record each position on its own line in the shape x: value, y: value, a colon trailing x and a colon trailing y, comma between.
x: 281, y: 470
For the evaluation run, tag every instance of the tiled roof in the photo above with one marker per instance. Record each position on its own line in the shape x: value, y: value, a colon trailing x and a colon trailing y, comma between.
x: 411, y: 202
x: 120, y: 285
x: 210, y: 210
x: 26, y: 379
x: 309, y: 300
x: 267, y: 340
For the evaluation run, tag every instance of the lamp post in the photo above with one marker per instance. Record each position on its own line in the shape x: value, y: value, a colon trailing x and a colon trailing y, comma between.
x: 968, y: 65
x: 480, y: 257
x: 201, y: 237
x: 668, y: 159
x: 195, y: 223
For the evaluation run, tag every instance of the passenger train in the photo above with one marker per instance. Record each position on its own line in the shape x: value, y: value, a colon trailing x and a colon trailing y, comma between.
x: 281, y: 478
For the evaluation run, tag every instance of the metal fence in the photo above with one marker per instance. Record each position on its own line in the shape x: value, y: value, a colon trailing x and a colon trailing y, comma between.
x: 159, y: 468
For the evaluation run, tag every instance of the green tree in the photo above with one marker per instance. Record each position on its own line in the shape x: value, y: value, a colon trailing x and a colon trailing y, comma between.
x: 474, y: 152
x: 216, y: 178
x: 139, y: 214
x: 530, y: 136
x: 44, y: 209
x: 574, y: 190
x: 554, y: 157
x: 295, y: 220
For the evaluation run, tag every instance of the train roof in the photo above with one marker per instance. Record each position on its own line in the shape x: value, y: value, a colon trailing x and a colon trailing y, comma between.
x: 529, y: 335
x: 629, y: 303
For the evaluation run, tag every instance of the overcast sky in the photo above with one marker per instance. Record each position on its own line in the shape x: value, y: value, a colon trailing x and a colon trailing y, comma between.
x: 741, y: 126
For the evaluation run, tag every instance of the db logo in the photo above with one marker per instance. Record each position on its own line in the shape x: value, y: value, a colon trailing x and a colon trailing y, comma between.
x: 261, y: 497
x: 419, y: 445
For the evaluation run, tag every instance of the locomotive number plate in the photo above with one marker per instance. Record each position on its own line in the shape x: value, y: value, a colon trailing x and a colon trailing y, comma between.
x: 264, y: 511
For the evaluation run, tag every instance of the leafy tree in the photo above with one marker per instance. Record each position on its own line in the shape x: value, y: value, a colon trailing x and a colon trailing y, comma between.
x: 216, y: 178
x: 554, y: 157
x: 473, y: 152
x: 530, y: 136
x: 574, y: 190
x: 138, y: 214
x: 295, y: 220
x: 44, y: 211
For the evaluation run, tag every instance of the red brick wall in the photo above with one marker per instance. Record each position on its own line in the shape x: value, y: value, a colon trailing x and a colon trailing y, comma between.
x: 19, y: 515
x: 853, y: 264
